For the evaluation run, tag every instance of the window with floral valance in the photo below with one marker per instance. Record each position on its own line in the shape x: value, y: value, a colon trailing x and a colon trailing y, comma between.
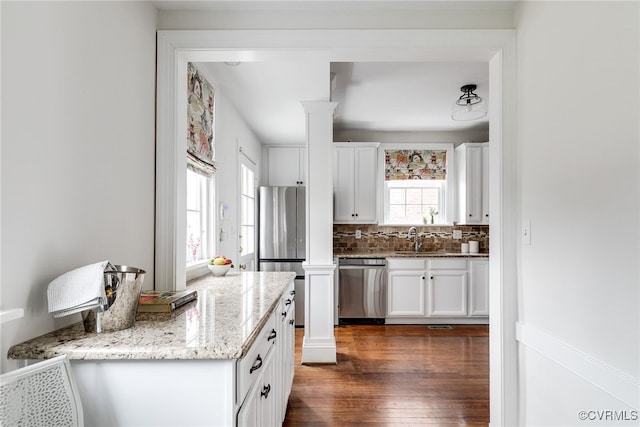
x: 417, y: 185
x: 415, y: 164
x: 200, y: 119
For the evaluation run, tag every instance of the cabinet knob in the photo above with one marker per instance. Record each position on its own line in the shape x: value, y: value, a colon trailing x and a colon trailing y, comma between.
x: 469, y: 215
x: 431, y: 277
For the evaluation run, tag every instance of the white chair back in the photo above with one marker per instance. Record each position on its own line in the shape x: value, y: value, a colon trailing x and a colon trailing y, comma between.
x: 41, y: 395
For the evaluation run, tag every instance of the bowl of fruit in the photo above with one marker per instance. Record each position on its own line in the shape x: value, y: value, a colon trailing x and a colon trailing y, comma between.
x: 219, y: 265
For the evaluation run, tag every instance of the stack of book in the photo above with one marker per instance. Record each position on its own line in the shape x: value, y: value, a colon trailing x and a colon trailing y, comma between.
x: 164, y: 302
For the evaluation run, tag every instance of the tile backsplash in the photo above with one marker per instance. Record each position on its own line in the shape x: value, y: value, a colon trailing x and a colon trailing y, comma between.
x: 394, y: 238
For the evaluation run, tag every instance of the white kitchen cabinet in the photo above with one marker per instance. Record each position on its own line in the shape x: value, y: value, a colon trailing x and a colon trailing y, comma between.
x: 271, y: 362
x: 406, y: 293
x: 437, y: 290
x: 478, y: 287
x: 354, y: 182
x: 286, y: 346
x: 285, y: 165
x: 472, y: 165
x: 447, y: 287
x: 447, y: 293
x: 259, y: 407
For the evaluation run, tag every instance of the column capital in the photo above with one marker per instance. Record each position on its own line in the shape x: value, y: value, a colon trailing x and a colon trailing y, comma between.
x: 318, y: 106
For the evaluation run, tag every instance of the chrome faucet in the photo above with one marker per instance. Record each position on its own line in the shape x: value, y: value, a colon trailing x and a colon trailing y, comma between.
x: 416, y: 237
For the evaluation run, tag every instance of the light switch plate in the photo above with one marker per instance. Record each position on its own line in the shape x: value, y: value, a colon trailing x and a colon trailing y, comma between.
x: 457, y: 234
x: 358, y: 234
x: 526, y: 232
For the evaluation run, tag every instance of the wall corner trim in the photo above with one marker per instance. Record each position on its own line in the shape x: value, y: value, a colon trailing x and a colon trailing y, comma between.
x: 618, y: 384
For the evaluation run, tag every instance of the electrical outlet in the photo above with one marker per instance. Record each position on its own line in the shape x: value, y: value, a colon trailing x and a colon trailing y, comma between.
x: 358, y: 234
x: 457, y: 234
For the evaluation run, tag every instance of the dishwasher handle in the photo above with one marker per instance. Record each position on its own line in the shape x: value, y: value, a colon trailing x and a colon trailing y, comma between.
x: 362, y: 267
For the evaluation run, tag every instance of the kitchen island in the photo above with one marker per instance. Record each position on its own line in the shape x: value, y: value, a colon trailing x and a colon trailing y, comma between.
x: 192, y: 369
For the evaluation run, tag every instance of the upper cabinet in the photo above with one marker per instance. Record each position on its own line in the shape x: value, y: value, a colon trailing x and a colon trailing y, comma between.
x: 285, y: 165
x: 354, y: 182
x: 472, y: 165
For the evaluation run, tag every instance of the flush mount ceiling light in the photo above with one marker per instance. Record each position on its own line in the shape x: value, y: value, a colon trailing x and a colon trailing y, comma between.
x: 469, y: 106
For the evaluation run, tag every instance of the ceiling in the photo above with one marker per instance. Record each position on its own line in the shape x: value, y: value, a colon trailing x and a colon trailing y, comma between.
x: 371, y: 96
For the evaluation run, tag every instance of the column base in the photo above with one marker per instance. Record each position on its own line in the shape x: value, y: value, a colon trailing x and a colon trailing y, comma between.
x: 319, y: 345
x: 314, y: 351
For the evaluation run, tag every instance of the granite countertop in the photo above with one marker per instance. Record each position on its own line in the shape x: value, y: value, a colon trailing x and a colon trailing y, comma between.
x: 409, y: 254
x: 223, y: 324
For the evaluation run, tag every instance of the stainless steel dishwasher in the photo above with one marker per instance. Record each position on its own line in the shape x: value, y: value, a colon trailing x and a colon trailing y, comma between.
x: 362, y: 289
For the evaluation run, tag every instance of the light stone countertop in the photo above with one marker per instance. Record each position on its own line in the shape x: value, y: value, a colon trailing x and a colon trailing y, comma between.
x: 409, y: 254
x: 223, y: 324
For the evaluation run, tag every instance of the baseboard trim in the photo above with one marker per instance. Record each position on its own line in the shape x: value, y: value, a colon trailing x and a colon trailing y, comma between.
x: 618, y: 384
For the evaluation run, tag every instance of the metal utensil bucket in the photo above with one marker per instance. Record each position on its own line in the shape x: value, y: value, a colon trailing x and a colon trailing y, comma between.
x: 122, y: 287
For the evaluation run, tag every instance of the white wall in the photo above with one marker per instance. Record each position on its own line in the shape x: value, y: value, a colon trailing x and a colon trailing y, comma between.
x: 231, y: 133
x: 400, y: 15
x: 579, y: 151
x: 78, y: 99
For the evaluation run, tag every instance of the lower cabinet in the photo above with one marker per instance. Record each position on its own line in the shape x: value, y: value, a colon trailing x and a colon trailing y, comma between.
x: 405, y: 288
x: 479, y: 289
x: 447, y: 287
x: 437, y: 290
x: 259, y: 407
x: 265, y: 374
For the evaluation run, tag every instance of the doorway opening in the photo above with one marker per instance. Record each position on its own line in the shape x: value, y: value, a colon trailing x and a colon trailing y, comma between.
x: 497, y: 47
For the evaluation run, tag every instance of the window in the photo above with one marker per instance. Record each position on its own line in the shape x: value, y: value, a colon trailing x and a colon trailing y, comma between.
x: 417, y: 183
x: 247, y: 211
x: 199, y: 217
x: 413, y: 201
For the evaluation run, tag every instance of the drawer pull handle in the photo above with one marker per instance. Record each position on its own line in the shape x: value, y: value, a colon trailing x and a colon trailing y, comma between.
x: 291, y: 321
x: 284, y: 314
x: 265, y: 391
x: 292, y: 292
x: 256, y: 365
x: 272, y: 335
x: 287, y: 302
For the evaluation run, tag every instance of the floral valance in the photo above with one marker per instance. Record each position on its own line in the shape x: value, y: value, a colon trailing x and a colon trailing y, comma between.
x: 200, y: 143
x: 415, y: 164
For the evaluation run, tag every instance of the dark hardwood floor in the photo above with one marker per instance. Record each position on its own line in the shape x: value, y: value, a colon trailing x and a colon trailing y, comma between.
x: 391, y: 375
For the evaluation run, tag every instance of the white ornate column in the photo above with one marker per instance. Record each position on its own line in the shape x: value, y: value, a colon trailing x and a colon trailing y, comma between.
x: 319, y: 345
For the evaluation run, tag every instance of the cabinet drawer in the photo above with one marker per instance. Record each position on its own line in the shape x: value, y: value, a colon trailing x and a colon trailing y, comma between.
x: 447, y: 264
x: 250, y: 366
x: 405, y: 263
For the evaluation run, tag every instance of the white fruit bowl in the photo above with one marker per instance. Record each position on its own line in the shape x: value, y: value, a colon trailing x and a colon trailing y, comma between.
x: 219, y: 270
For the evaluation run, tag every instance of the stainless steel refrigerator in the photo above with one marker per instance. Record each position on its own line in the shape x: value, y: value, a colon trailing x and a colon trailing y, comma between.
x: 281, y: 235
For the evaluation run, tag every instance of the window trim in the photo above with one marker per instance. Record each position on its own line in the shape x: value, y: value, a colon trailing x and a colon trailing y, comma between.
x: 449, y: 192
